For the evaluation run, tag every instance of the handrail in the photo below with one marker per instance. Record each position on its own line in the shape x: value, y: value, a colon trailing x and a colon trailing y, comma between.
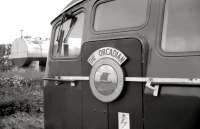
x: 148, y: 80
x: 154, y: 80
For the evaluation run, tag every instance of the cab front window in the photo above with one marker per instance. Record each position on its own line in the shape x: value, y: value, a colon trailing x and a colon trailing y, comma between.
x: 119, y: 14
x: 181, y: 29
x: 68, y: 36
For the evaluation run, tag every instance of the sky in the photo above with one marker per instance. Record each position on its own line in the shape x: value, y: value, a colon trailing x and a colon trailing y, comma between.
x: 31, y: 16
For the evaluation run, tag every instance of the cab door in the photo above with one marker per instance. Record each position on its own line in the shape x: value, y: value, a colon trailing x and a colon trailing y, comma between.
x: 63, y: 100
x: 106, y: 115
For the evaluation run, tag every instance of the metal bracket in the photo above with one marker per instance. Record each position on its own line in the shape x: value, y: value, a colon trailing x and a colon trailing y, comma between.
x: 155, y: 88
x: 72, y: 83
x: 57, y: 82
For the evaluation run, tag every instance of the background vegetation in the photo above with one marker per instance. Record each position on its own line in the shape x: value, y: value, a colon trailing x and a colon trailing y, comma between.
x: 21, y: 97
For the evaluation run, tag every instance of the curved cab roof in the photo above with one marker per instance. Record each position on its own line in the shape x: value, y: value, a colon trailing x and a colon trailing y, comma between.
x: 71, y: 4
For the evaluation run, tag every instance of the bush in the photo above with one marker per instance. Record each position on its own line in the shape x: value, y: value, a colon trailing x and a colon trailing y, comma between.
x: 21, y: 103
x: 22, y: 120
x: 19, y: 94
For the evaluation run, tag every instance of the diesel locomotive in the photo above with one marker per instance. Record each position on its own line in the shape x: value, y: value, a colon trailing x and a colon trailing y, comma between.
x: 124, y: 64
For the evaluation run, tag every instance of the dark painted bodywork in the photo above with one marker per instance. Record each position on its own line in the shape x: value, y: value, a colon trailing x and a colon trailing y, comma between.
x: 105, y: 115
x: 176, y: 107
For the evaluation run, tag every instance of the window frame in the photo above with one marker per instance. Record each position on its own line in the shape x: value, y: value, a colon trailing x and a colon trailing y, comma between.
x: 56, y: 24
x: 159, y: 46
x: 99, y: 2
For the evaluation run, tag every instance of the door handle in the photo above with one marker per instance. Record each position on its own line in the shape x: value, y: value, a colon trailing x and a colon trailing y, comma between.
x: 154, y: 88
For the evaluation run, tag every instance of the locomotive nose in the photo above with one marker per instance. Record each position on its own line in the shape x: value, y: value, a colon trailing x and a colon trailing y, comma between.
x: 107, y: 63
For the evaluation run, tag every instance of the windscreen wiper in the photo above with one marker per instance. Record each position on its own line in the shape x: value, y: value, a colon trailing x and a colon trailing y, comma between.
x: 73, y: 22
x: 60, y: 36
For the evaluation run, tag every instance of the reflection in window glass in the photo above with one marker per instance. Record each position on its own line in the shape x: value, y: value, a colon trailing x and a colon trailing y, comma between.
x: 181, y: 30
x: 118, y: 14
x: 75, y: 37
x: 72, y: 31
x: 61, y: 28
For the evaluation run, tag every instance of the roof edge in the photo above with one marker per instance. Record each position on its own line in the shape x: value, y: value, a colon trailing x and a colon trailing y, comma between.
x: 70, y: 5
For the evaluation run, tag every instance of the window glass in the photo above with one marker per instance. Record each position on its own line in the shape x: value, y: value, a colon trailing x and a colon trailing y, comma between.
x: 181, y: 29
x: 118, y: 14
x: 69, y: 34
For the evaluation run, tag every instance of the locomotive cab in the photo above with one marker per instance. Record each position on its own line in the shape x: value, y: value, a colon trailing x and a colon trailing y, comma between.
x: 124, y: 64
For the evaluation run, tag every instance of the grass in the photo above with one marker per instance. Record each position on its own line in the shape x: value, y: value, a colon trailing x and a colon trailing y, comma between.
x: 21, y: 100
x: 22, y: 120
x: 25, y: 73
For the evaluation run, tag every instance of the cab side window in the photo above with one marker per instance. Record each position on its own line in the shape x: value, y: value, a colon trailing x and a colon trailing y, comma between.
x: 68, y: 37
x: 181, y: 29
x: 117, y: 14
